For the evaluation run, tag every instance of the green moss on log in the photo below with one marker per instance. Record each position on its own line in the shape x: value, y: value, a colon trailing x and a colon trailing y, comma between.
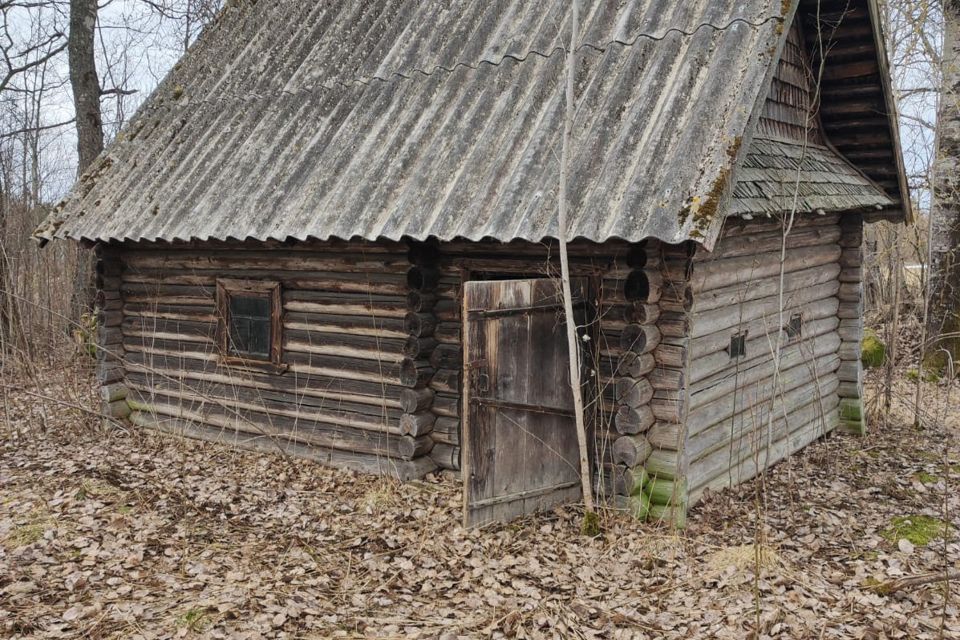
x: 639, y: 506
x: 873, y: 352
x: 665, y: 492
x: 674, y: 516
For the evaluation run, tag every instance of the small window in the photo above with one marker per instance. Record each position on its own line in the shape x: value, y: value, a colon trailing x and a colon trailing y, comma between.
x: 738, y: 346
x: 250, y: 326
x: 794, y: 328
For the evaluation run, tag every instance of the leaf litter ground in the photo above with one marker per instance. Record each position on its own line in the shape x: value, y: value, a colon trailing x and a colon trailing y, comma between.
x: 113, y: 534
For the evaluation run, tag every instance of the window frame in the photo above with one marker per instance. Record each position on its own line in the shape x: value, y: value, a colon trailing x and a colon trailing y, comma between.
x: 270, y: 289
x: 738, y: 346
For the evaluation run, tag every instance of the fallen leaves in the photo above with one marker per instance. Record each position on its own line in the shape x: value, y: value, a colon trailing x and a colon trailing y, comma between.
x: 135, y: 535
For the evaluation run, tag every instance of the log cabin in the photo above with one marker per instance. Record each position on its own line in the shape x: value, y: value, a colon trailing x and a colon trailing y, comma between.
x: 331, y: 231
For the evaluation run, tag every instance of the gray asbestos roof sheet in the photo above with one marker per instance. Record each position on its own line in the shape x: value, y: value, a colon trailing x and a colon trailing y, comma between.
x: 274, y: 125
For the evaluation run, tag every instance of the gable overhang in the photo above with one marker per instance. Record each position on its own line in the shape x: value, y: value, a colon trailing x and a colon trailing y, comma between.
x: 858, y: 112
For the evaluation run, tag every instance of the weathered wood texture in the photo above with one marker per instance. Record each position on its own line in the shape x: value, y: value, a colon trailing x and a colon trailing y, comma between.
x: 791, y: 107
x: 109, y: 339
x: 627, y: 311
x: 347, y: 388
x: 853, y: 417
x: 520, y: 441
x: 746, y: 409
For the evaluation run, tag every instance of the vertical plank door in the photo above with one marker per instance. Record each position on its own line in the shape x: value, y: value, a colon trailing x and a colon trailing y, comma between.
x: 520, y: 450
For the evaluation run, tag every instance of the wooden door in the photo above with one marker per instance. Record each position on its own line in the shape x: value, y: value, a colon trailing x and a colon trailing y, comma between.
x: 520, y: 451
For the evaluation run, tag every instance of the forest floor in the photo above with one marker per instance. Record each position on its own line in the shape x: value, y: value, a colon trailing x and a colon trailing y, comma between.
x: 113, y: 534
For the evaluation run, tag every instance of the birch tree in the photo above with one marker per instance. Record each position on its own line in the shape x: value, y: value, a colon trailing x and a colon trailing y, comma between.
x: 943, y: 325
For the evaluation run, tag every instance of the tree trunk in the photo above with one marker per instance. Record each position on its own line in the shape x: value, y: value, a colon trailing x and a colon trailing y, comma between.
x: 943, y: 324
x: 84, y: 81
x: 590, y: 523
x: 86, y: 101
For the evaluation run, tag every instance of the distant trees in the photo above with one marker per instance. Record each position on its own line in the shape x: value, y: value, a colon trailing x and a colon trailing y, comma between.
x: 60, y: 59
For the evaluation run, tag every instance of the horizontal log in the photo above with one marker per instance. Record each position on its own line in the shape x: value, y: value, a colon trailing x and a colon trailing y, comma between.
x: 447, y: 380
x: 313, y: 385
x: 633, y: 392
x: 850, y: 371
x: 631, y: 451
x: 334, y: 411
x: 753, y: 238
x: 446, y: 404
x: 446, y: 456
x: 414, y: 400
x: 629, y: 364
x: 271, y: 260
x: 666, y: 435
x: 446, y: 431
x: 677, y: 298
x: 710, y: 389
x: 344, y: 304
x: 446, y: 356
x: 750, y: 424
x: 308, y: 432
x: 850, y: 390
x: 667, y: 492
x: 349, y: 325
x: 671, y: 355
x: 751, y: 463
x: 741, y: 294
x: 113, y: 392
x: 850, y: 292
x: 420, y: 325
x: 385, y: 284
x: 746, y: 397
x: 344, y: 345
x: 364, y: 463
x: 668, y: 409
x: 447, y: 333
x: 633, y: 420
x: 639, y: 338
x: 117, y: 409
x: 674, y: 324
x: 197, y: 313
x: 662, y: 463
x: 765, y: 309
x: 423, y: 278
x: 736, y: 271
x: 628, y: 481
x: 418, y: 348
x: 421, y: 301
x: 702, y: 345
x: 665, y: 378
x: 417, y: 424
x: 415, y: 374
x: 756, y: 346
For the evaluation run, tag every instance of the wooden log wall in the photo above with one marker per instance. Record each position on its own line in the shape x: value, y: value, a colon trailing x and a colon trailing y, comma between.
x: 110, y: 352
x: 353, y: 386
x: 742, y: 417
x: 639, y: 313
x: 852, y: 415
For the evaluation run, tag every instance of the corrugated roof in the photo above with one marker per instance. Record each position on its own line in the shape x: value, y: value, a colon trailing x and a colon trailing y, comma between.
x: 393, y: 118
x: 776, y: 171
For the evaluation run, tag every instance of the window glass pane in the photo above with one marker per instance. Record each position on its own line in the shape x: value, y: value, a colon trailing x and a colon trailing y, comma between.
x: 250, y: 326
